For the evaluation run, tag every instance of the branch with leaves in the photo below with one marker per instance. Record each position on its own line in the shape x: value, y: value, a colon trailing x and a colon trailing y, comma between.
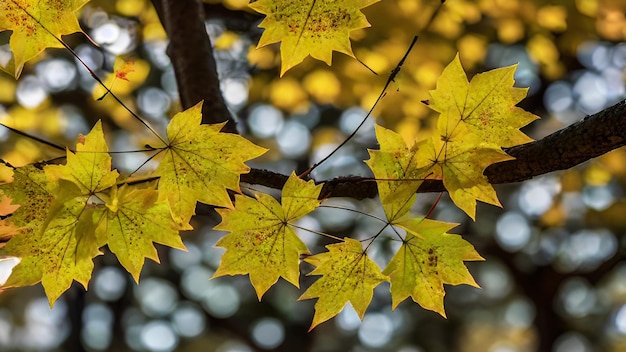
x: 584, y: 140
x: 69, y: 212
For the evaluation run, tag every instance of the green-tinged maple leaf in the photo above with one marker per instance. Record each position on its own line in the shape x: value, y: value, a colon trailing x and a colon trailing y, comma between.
x: 348, y: 275
x: 261, y: 241
x: 59, y: 251
x: 311, y: 27
x: 395, y: 169
x: 89, y: 167
x: 60, y: 244
x: 429, y: 258
x: 35, y: 24
x: 476, y: 120
x: 460, y: 162
x: 131, y: 221
x: 486, y: 104
x: 200, y: 163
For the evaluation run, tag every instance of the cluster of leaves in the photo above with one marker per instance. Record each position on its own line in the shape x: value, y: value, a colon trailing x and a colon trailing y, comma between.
x: 68, y: 213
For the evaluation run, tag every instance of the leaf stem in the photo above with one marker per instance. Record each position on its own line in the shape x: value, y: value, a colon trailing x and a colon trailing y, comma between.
x: 318, y: 232
x: 355, y: 211
x: 382, y: 94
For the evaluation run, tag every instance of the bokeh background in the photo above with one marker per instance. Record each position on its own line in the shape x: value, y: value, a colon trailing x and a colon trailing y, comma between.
x: 555, y: 275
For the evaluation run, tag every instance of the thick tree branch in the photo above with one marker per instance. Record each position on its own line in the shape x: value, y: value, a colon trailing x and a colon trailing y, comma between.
x: 192, y: 57
x: 591, y: 137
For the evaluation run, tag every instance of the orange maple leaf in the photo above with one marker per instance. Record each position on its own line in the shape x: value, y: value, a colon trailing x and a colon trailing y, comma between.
x: 125, y: 68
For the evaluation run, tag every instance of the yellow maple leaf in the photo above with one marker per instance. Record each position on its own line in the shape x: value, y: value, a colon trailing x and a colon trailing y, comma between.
x: 200, y: 163
x: 35, y: 24
x: 476, y: 120
x: 348, y: 275
x: 395, y: 168
x: 131, y: 221
x: 428, y: 258
x: 486, y: 104
x: 312, y: 27
x: 261, y: 242
x: 460, y: 161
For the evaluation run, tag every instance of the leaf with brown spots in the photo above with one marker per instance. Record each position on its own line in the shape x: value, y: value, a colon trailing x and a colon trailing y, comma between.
x: 200, y: 163
x: 478, y: 118
x: 61, y: 249
x: 348, y: 275
x: 312, y: 27
x: 36, y: 25
x: 58, y: 242
x: 262, y: 242
x: 428, y: 258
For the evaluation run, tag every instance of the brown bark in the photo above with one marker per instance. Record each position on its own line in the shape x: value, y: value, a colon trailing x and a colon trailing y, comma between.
x: 192, y: 57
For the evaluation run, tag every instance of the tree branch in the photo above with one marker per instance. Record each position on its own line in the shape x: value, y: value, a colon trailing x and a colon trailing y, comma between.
x: 192, y: 57
x: 589, y: 138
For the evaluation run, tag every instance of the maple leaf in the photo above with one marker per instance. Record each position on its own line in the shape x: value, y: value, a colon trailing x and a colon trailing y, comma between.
x: 123, y: 69
x: 200, y: 163
x: 486, y: 104
x: 261, y: 242
x: 348, y: 275
x: 126, y: 76
x: 35, y: 24
x: 476, y: 120
x: 428, y: 258
x: 395, y: 169
x: 460, y: 161
x: 131, y: 221
x: 313, y: 27
x: 60, y: 248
